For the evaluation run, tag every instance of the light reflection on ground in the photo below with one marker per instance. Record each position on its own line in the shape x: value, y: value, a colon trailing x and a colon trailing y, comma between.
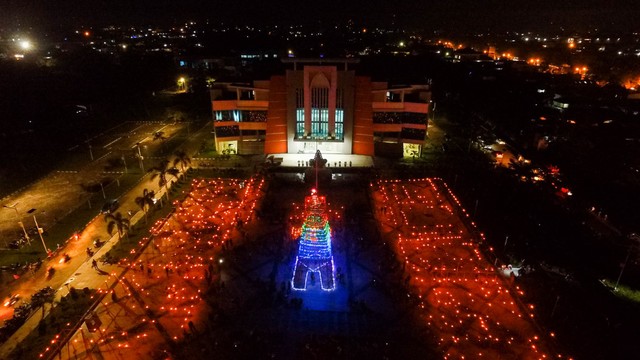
x: 469, y: 309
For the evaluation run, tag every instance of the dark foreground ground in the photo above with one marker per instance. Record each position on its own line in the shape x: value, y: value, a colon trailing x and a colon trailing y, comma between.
x: 256, y: 315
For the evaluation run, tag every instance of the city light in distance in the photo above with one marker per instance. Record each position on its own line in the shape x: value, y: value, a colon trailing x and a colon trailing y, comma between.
x: 535, y: 61
x: 25, y: 45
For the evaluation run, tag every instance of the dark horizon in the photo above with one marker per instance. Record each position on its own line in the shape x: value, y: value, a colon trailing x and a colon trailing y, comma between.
x: 452, y: 16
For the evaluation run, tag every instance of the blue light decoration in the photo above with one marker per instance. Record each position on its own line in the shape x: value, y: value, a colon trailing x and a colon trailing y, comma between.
x: 314, y: 252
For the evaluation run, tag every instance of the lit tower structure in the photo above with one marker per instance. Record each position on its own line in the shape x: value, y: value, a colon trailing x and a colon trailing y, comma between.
x: 314, y: 252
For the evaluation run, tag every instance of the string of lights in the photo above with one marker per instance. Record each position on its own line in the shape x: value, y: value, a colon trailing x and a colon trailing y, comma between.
x: 162, y: 281
x: 472, y: 312
x: 314, y: 252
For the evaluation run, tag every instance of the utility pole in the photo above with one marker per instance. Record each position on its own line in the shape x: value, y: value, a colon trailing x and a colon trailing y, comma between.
x: 140, y: 158
x: 26, y: 236
x: 90, y: 152
x: 40, y: 231
x: 633, y: 237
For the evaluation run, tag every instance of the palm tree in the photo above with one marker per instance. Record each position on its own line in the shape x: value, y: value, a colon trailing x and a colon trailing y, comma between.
x: 43, y: 296
x: 181, y: 158
x: 159, y: 135
x: 145, y: 201
x: 118, y: 222
x: 161, y: 171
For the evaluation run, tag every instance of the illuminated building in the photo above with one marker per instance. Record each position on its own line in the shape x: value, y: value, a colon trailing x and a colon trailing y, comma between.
x: 314, y: 261
x: 320, y: 104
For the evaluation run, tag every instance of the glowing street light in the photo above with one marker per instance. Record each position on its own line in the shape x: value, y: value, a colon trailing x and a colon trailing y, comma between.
x: 181, y: 83
x: 581, y: 70
x: 535, y: 61
x: 25, y: 45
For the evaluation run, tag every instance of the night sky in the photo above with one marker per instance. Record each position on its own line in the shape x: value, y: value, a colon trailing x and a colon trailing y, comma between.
x: 451, y: 15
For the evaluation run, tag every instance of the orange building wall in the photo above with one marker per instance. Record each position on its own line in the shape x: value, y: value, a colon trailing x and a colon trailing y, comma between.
x: 363, y: 117
x: 416, y: 107
x: 276, y: 137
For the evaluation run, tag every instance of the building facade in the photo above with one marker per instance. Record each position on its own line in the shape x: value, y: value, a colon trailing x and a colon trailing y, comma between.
x: 320, y: 104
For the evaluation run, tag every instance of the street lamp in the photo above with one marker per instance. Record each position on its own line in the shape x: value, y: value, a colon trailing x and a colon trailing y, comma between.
x: 15, y: 207
x: 140, y: 157
x: 25, y: 45
x: 39, y: 229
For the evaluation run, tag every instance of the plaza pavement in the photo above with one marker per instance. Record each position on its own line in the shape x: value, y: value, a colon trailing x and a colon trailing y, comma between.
x: 471, y: 310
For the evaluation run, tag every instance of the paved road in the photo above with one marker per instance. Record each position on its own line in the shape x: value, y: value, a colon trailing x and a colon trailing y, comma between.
x: 78, y: 272
x: 56, y: 194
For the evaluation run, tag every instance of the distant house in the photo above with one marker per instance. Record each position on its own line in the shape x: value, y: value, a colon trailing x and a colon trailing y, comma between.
x: 468, y: 54
x: 561, y: 103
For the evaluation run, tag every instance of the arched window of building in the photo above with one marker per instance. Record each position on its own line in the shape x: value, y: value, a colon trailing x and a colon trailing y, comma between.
x: 319, y: 106
x: 300, y: 112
